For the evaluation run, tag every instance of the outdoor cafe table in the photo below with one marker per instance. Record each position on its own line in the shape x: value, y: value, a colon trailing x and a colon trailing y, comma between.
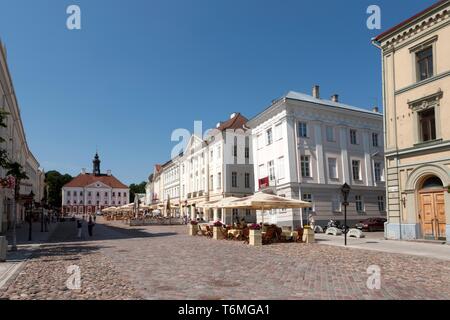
x: 235, y: 232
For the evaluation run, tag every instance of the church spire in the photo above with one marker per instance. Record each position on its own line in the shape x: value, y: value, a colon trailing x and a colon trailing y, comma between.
x: 96, y: 165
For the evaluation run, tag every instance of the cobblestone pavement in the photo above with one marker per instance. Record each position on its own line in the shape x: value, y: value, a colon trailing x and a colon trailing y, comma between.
x: 44, y: 276
x: 163, y: 262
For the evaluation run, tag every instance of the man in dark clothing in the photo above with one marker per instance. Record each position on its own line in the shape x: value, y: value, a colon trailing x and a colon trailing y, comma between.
x: 90, y: 226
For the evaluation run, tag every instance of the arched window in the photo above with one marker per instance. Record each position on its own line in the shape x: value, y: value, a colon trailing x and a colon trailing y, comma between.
x: 432, y: 183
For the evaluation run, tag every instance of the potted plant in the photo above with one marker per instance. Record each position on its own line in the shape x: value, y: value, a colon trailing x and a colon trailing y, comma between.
x: 217, y: 230
x: 255, y: 238
x: 193, y: 228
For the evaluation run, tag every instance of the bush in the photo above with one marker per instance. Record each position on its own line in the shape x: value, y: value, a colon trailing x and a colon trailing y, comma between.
x: 217, y: 224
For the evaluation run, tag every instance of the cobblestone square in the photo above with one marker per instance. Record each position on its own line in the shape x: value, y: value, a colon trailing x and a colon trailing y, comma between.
x: 163, y: 262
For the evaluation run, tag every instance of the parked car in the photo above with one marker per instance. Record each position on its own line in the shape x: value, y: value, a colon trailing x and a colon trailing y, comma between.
x: 371, y: 224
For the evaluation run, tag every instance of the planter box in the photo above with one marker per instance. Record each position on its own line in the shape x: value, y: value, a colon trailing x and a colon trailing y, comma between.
x: 255, y: 238
x: 308, y: 236
x: 3, y: 248
x: 192, y: 229
x: 217, y: 233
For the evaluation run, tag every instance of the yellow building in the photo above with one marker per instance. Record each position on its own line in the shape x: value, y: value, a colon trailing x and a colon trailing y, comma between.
x: 416, y: 93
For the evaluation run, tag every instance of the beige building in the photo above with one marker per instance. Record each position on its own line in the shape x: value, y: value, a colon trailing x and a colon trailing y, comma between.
x: 18, y: 151
x: 416, y: 89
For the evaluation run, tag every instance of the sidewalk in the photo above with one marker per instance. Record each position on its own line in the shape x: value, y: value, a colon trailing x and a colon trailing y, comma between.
x: 16, y: 259
x: 378, y: 243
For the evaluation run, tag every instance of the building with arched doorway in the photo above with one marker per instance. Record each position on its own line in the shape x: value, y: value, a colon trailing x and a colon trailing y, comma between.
x: 416, y: 93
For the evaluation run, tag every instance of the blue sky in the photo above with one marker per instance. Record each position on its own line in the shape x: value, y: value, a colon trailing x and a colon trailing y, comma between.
x: 139, y: 69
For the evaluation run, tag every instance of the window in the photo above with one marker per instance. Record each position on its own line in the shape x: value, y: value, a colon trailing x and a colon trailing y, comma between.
x: 106, y: 194
x: 124, y: 194
x: 307, y: 197
x: 74, y: 193
x: 68, y: 193
x: 359, y: 204
x: 248, y: 212
x: 381, y: 206
x: 330, y: 134
x: 261, y: 171
x: 377, y: 169
x: 271, y: 167
x: 119, y: 194
x: 305, y: 166
x: 235, y: 213
x: 211, y: 155
x: 356, y: 170
x: 259, y: 140
x: 336, y: 205
x: 98, y: 194
x: 427, y: 124
x: 353, y: 139
x: 278, y: 132
x: 332, y: 168
x: 89, y: 194
x: 375, y: 139
x: 280, y: 168
x: 424, y: 64
x: 218, y: 152
x: 247, y: 180
x: 269, y: 138
x: 247, y: 152
x: 302, y: 130
x: 235, y: 150
x: 89, y: 202
x: 219, y: 180
x: 234, y: 179
x: 106, y: 202
x: 211, y: 182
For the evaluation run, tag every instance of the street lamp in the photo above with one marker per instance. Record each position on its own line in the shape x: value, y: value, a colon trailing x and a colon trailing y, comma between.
x: 345, y: 189
x: 30, y: 214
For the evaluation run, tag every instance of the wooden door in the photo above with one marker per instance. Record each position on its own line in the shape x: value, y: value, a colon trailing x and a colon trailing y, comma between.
x: 440, y: 219
x: 427, y: 215
x: 433, y: 215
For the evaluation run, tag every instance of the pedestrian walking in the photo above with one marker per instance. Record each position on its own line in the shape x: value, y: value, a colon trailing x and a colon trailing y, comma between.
x: 95, y: 218
x: 79, y: 228
x: 90, y: 226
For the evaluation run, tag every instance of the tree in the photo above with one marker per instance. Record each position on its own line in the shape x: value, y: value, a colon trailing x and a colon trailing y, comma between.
x: 15, y: 170
x: 55, y: 181
x: 3, y: 152
x: 136, y: 188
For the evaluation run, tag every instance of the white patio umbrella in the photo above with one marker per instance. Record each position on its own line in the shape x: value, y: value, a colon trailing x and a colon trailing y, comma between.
x: 264, y: 201
x: 218, y: 204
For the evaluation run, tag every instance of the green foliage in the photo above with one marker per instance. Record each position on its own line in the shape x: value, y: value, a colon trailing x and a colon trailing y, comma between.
x: 15, y: 169
x: 3, y: 152
x: 55, y: 181
x: 136, y: 188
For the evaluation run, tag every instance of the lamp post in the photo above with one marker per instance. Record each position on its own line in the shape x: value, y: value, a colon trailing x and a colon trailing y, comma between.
x: 345, y: 189
x: 30, y: 216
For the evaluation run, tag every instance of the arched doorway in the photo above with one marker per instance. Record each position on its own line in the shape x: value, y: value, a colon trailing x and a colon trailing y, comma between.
x: 432, y: 208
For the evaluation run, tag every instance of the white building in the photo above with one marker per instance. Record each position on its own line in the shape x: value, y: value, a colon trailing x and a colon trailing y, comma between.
x: 306, y: 147
x: 91, y: 192
x: 18, y: 151
x: 210, y: 168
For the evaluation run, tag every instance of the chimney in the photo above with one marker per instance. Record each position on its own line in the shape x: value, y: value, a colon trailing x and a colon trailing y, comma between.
x: 316, y: 92
x: 335, y: 98
x: 233, y: 115
x: 83, y: 171
x: 375, y: 109
x: 108, y: 172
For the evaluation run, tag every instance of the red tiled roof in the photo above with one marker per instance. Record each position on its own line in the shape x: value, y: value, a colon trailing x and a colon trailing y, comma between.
x: 401, y: 24
x: 237, y: 122
x: 83, y: 180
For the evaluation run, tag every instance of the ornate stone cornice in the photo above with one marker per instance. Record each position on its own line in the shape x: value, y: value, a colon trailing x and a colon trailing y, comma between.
x: 427, y: 102
x: 442, y: 16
